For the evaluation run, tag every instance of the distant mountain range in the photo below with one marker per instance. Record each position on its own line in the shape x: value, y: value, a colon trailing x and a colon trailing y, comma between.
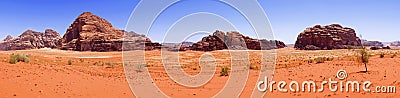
x: 89, y: 32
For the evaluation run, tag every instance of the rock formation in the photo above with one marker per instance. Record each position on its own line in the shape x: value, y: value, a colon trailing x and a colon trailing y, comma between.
x: 395, y: 43
x: 32, y: 40
x: 234, y: 41
x: 327, y: 37
x: 134, y: 41
x: 372, y: 43
x: 92, y: 33
x: 9, y: 37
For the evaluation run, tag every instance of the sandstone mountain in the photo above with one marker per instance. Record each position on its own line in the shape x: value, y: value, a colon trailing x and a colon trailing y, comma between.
x: 92, y: 33
x: 9, y: 37
x: 32, y: 40
x: 328, y: 37
x: 234, y: 41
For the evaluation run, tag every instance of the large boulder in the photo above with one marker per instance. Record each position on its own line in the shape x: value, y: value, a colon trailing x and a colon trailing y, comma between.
x: 32, y: 40
x: 328, y: 37
x: 234, y: 41
x: 92, y: 33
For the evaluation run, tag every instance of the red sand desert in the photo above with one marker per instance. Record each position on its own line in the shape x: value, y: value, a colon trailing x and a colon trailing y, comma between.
x: 101, y: 74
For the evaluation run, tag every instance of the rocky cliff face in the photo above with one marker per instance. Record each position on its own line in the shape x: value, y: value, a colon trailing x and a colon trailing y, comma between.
x: 234, y: 41
x: 92, y: 33
x: 32, y: 40
x: 327, y: 37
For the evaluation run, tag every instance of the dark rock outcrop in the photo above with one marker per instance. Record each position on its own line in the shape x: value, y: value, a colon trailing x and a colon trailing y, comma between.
x: 395, y: 43
x: 9, y: 37
x: 327, y: 37
x: 32, y: 40
x: 234, y: 41
x: 372, y: 43
x: 92, y: 33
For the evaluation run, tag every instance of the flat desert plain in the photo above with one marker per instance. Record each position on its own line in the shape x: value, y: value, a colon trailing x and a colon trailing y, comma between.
x: 57, y: 73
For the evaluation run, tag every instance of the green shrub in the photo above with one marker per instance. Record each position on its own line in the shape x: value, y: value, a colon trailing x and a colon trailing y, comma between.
x: 18, y: 58
x: 364, y: 57
x: 224, y: 71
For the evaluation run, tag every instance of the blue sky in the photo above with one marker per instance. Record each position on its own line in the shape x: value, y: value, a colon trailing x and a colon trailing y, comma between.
x: 374, y: 19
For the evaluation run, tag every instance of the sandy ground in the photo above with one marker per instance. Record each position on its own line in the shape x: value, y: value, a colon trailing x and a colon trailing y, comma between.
x: 101, y: 75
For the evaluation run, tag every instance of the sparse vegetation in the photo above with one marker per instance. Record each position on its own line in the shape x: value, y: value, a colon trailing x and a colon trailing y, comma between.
x: 382, y: 55
x: 351, y: 48
x: 394, y: 55
x: 18, y: 58
x: 81, y: 60
x: 70, y: 62
x: 110, y: 64
x: 140, y: 67
x: 224, y: 71
x: 364, y: 57
x: 253, y: 67
x: 323, y: 59
x: 99, y: 63
x: 310, y: 61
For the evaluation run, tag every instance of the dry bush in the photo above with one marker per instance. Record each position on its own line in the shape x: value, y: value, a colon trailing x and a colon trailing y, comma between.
x: 224, y: 71
x: 364, y: 57
x: 18, y: 58
x: 382, y: 55
x: 70, y: 62
x: 394, y: 55
x: 323, y: 59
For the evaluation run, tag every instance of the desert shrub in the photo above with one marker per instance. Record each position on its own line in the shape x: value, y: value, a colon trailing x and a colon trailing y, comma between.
x: 110, y: 64
x: 310, y: 61
x: 81, y: 60
x: 323, y: 59
x: 350, y: 47
x: 394, y: 55
x: 140, y: 67
x: 18, y: 58
x: 364, y: 57
x: 224, y: 71
x: 254, y: 67
x: 382, y: 55
x: 69, y: 62
x: 99, y: 63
